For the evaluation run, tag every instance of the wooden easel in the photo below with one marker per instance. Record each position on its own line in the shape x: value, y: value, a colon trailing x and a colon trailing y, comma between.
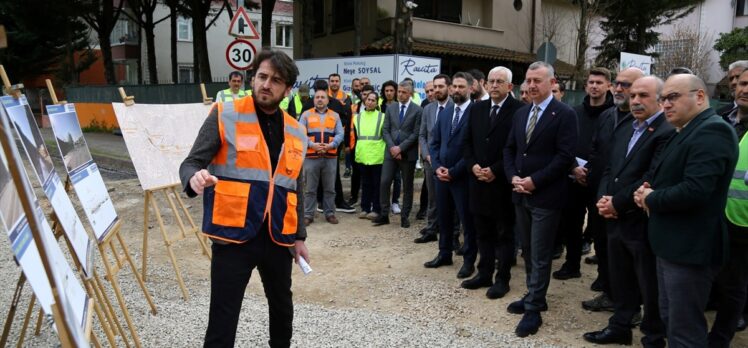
x: 178, y: 209
x: 206, y: 99
x: 25, y: 193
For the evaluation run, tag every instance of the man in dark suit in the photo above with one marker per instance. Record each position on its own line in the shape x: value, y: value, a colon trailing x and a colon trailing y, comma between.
x: 451, y: 176
x: 443, y: 101
x: 733, y: 73
x: 490, y: 199
x: 402, y: 122
x: 686, y: 203
x: 537, y: 159
x: 635, y: 152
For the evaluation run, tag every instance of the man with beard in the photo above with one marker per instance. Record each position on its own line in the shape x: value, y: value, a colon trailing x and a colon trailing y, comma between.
x: 478, y: 90
x: 609, y: 121
x: 635, y: 152
x: 581, y: 197
x: 452, y: 185
x: 251, y: 228
x: 524, y: 95
x: 431, y: 112
x: 490, y: 194
x: 537, y: 158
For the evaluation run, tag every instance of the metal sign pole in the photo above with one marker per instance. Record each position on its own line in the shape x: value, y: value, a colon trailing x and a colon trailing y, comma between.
x: 240, y: 4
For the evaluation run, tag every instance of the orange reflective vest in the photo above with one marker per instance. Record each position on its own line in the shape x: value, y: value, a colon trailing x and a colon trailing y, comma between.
x: 321, y: 133
x: 340, y: 96
x: 248, y: 192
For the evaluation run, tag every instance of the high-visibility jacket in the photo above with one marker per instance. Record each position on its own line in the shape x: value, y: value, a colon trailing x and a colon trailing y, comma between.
x: 340, y: 96
x: 298, y: 104
x: 737, y: 195
x: 370, y: 145
x: 284, y: 103
x: 227, y: 95
x: 319, y: 132
x: 248, y: 192
x: 354, y: 103
x: 416, y: 98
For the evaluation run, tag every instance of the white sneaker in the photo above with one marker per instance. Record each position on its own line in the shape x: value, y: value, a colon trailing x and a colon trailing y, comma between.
x: 319, y: 210
x: 395, y: 208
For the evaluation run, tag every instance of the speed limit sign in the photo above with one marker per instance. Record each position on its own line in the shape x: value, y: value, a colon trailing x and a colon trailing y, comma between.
x: 239, y: 54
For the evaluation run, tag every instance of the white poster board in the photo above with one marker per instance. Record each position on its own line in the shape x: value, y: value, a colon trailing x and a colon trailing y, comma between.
x: 83, y: 172
x: 71, y: 294
x: 378, y: 69
x: 159, y: 137
x: 37, y: 154
x: 631, y: 60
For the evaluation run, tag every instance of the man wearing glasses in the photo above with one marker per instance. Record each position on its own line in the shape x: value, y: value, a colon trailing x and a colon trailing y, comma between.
x: 685, y: 201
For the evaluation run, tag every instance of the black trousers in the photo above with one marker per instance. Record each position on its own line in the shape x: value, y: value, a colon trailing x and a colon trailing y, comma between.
x: 596, y: 226
x: 495, y: 237
x: 571, y: 224
x: 355, y: 179
x: 371, y: 175
x: 230, y: 270
x: 635, y: 280
x: 730, y: 290
x: 423, y: 203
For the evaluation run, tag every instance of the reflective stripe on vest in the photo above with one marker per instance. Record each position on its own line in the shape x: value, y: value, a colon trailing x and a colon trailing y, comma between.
x: 318, y: 132
x: 247, y: 192
x: 736, y: 209
x: 226, y: 95
x: 370, y: 145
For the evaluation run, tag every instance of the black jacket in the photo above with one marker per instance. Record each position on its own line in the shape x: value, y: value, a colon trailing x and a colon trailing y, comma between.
x: 587, y: 120
x: 609, y: 120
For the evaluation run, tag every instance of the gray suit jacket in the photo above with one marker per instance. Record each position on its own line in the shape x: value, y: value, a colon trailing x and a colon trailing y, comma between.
x: 406, y: 133
x: 428, y: 120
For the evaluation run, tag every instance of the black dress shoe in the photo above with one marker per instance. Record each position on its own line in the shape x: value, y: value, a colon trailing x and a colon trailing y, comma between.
x: 529, y: 324
x: 438, y: 261
x: 591, y: 260
x: 498, y: 290
x: 425, y: 238
x: 518, y: 307
x: 421, y: 215
x: 608, y: 336
x: 381, y: 220
x: 477, y: 282
x: 597, y: 285
x: 741, y: 324
x: 460, y: 251
x: 466, y: 270
x: 404, y: 223
x: 565, y: 273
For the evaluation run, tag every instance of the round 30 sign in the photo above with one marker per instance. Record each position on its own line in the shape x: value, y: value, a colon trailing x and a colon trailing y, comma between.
x: 239, y: 54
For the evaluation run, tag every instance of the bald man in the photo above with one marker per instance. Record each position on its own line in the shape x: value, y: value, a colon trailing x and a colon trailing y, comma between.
x: 685, y: 199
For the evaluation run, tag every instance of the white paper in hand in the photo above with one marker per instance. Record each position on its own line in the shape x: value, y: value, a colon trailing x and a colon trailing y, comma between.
x: 304, y: 266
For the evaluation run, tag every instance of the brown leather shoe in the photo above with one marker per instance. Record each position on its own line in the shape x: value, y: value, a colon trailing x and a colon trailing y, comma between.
x: 332, y: 219
x: 308, y: 221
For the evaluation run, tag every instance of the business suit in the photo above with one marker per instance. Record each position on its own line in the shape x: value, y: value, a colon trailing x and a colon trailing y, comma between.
x: 546, y: 159
x: 428, y: 120
x: 687, y: 230
x: 405, y: 135
x: 446, y: 151
x: 491, y: 203
x: 635, y: 278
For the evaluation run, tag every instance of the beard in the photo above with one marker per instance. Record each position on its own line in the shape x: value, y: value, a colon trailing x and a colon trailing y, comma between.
x: 476, y: 95
x: 267, y: 101
x: 459, y: 98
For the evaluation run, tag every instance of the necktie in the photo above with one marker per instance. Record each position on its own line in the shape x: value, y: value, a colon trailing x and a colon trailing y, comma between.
x: 402, y: 113
x: 455, y: 121
x: 494, y: 112
x: 531, y: 124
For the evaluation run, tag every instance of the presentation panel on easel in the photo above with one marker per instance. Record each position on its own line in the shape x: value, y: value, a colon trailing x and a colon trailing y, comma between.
x: 71, y: 295
x: 37, y: 154
x: 83, y: 172
x: 159, y: 137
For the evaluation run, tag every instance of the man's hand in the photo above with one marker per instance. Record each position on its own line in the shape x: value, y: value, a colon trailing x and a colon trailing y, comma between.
x: 580, y: 174
x: 477, y: 172
x: 488, y: 175
x: 428, y: 159
x: 519, y: 185
x: 202, y: 179
x: 301, y: 250
x: 640, y: 196
x: 442, y: 173
x: 527, y: 184
x: 606, y: 209
x: 317, y: 147
x: 394, y: 151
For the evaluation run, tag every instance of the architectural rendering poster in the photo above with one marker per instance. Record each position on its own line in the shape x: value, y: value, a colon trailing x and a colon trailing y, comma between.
x: 159, y: 137
x: 72, y: 296
x: 83, y: 172
x: 27, y: 130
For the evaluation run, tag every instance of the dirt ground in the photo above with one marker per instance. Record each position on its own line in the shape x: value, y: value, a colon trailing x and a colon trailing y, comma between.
x: 381, y: 269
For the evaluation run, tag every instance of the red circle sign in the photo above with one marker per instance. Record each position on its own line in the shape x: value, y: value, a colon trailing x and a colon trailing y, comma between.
x: 239, y: 54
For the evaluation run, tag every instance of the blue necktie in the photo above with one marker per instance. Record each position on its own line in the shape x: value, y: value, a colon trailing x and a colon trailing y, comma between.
x: 402, y: 114
x: 455, y: 121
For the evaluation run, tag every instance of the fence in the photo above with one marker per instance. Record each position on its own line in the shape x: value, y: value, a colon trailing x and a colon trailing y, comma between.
x: 146, y: 94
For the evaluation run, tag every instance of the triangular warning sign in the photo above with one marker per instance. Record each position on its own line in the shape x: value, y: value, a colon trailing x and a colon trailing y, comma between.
x: 241, y: 25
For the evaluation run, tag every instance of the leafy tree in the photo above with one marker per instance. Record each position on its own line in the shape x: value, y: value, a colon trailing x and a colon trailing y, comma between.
x: 628, y: 25
x: 41, y: 42
x: 143, y: 11
x: 732, y: 46
x: 102, y: 16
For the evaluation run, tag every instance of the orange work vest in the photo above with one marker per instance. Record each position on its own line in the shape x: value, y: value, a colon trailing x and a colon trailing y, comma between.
x: 321, y: 133
x: 340, y: 96
x: 248, y: 192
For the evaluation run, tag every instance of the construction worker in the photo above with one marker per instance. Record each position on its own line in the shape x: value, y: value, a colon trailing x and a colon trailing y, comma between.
x: 296, y: 107
x: 235, y: 91
x: 369, y: 151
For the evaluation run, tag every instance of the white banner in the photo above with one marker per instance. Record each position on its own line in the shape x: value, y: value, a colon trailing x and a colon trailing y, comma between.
x: 630, y: 60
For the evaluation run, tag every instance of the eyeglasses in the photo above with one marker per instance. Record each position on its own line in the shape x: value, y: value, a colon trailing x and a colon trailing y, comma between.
x: 496, y: 81
x: 673, y: 97
x: 622, y: 84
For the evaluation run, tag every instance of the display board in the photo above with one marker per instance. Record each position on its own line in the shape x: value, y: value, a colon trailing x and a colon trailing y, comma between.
x: 37, y: 154
x: 82, y: 170
x: 159, y: 137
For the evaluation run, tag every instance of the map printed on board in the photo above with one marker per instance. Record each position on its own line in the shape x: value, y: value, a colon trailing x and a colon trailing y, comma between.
x: 159, y: 137
x: 83, y: 172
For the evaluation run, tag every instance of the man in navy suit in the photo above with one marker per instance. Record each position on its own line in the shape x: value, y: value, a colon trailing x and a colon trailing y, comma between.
x: 452, y: 176
x: 537, y: 159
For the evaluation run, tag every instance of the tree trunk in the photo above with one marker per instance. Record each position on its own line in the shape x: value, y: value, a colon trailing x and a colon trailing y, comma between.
x: 400, y: 34
x: 106, y: 55
x: 196, y: 47
x: 267, y: 21
x: 173, y: 43
x: 307, y: 17
x: 357, y: 27
x: 139, y: 61
x: 151, y: 47
x: 582, y: 40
